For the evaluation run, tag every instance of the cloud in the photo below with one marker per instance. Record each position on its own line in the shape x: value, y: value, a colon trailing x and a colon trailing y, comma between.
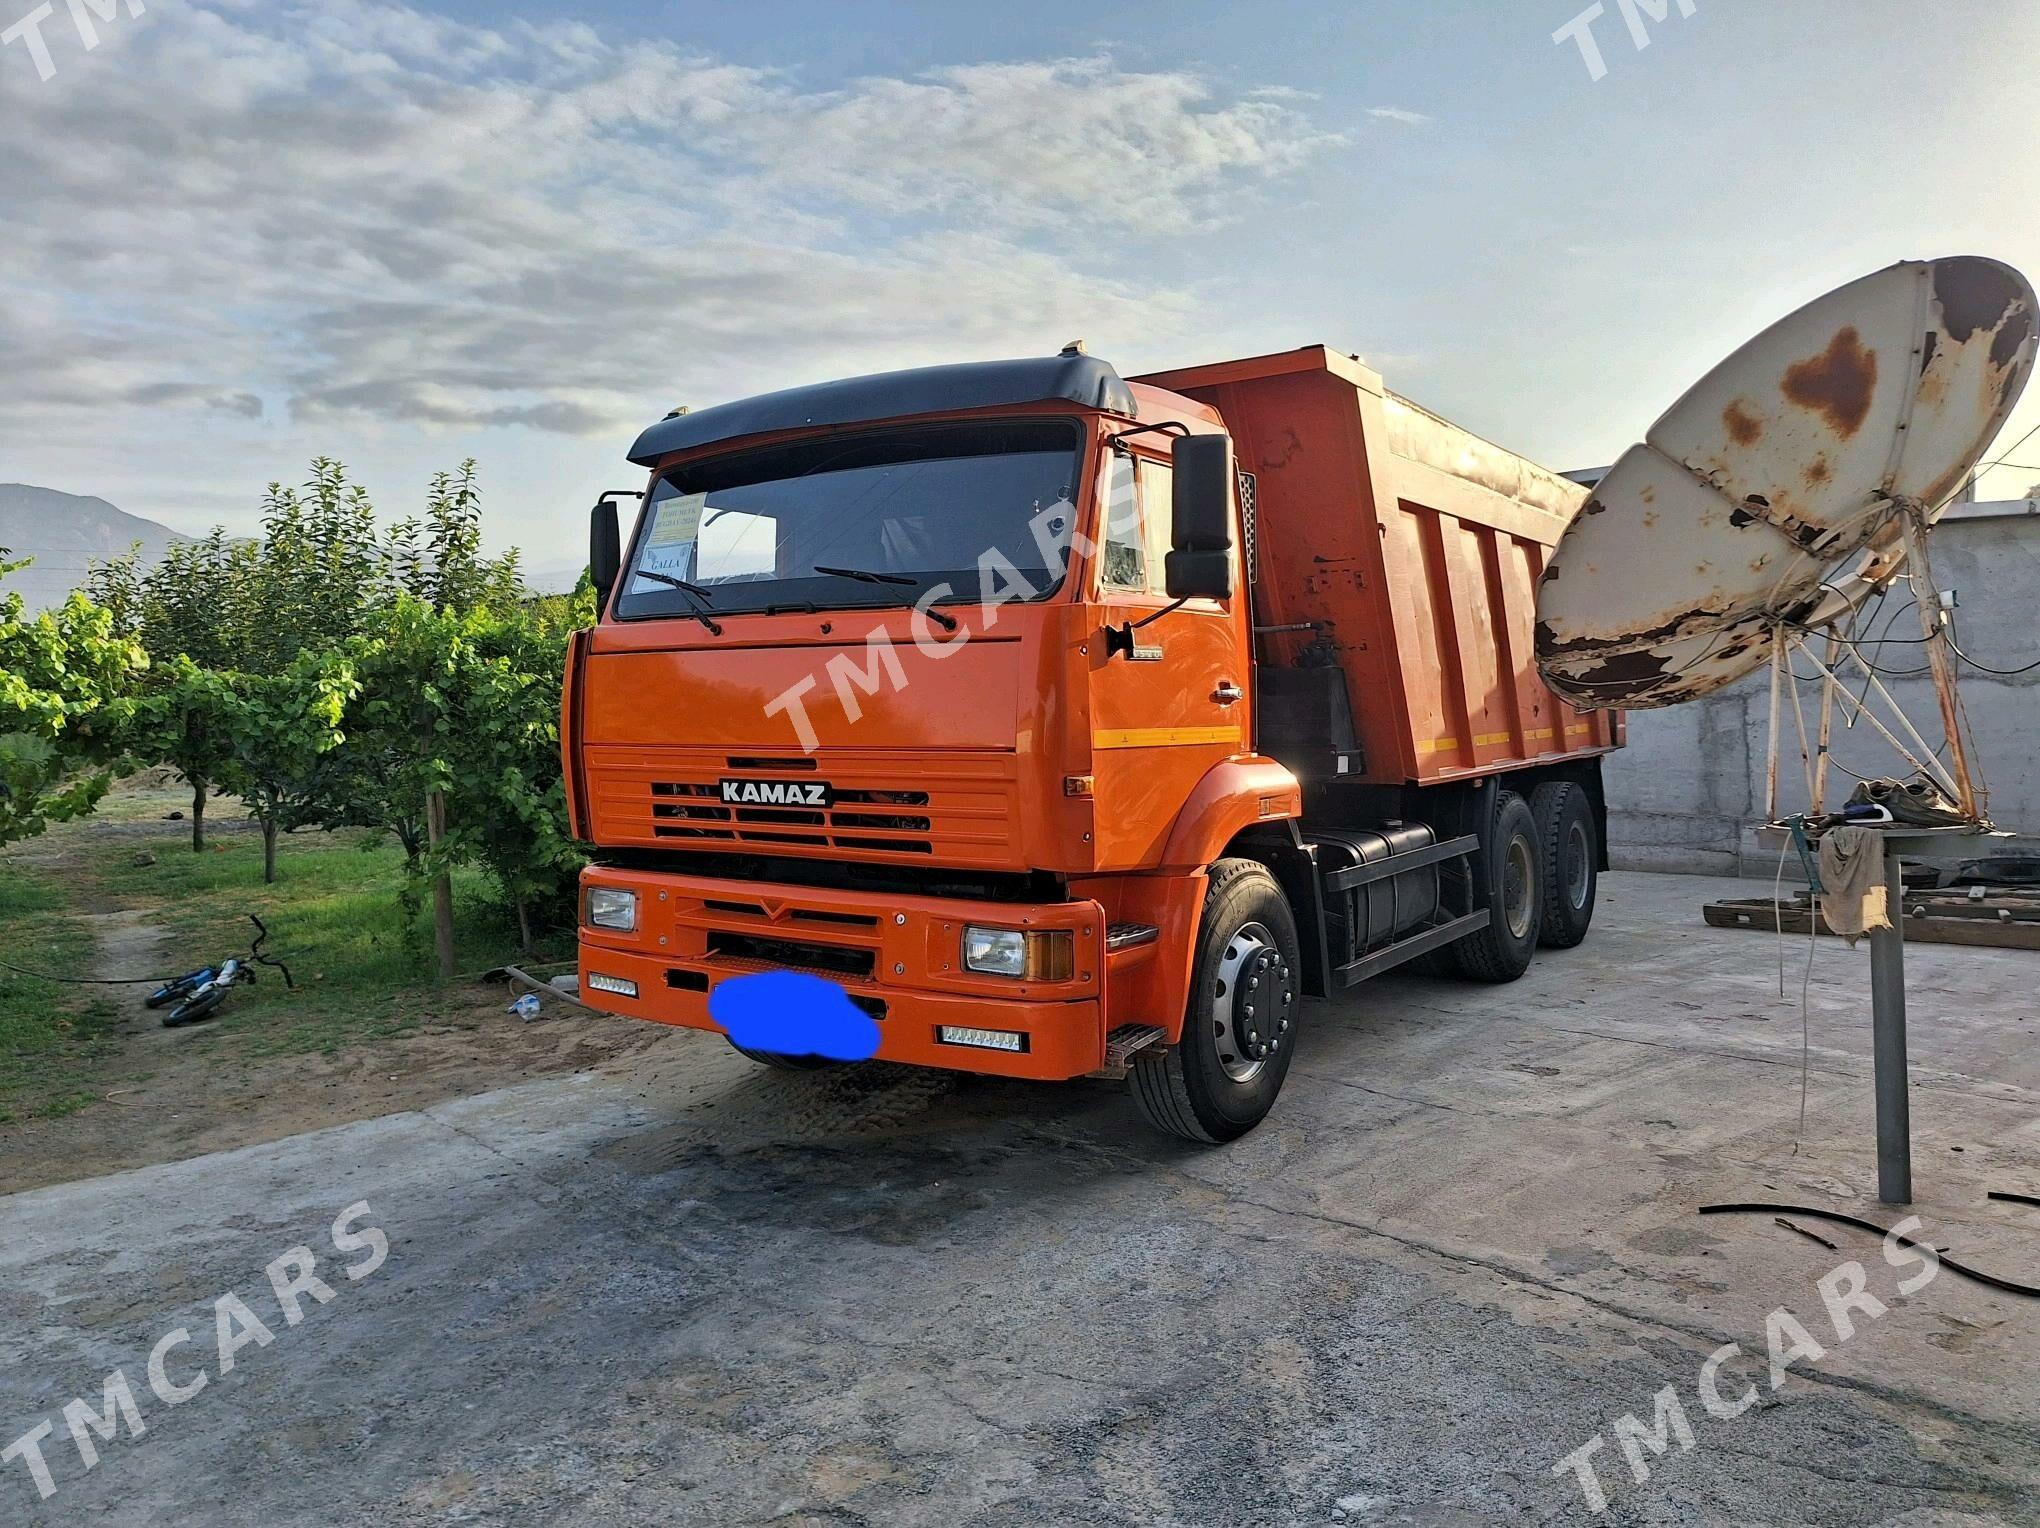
x: 1399, y: 114
x: 245, y: 405
x: 368, y: 213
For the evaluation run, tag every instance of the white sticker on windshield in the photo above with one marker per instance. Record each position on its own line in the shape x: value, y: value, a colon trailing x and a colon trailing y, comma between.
x: 677, y: 521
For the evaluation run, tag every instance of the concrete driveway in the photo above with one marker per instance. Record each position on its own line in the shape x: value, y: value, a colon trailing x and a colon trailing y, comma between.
x: 692, y: 1291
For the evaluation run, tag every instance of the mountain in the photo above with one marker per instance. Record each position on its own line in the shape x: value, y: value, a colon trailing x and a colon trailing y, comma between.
x: 64, y: 532
x: 553, y: 577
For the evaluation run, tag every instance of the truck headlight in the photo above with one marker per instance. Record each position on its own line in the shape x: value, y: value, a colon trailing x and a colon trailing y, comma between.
x: 612, y: 908
x: 1046, y: 956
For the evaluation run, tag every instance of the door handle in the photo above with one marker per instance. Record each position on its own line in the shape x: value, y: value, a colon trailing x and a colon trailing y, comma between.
x: 1228, y: 693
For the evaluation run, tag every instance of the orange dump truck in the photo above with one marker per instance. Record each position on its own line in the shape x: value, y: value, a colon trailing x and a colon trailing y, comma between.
x: 1057, y: 724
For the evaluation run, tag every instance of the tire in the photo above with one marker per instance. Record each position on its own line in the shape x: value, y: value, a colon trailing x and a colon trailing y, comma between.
x: 788, y: 1063
x: 1509, y: 859
x: 1571, y: 849
x: 198, y: 1006
x: 1208, y: 1087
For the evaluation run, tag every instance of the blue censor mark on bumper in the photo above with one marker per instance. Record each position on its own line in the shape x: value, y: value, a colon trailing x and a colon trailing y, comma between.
x: 792, y: 1014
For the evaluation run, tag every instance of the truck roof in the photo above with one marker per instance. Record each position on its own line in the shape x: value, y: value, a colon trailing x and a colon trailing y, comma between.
x: 1075, y: 378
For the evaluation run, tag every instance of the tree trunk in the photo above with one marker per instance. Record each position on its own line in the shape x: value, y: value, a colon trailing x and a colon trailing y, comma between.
x: 198, y: 817
x: 524, y: 926
x: 269, y: 851
x: 442, y: 886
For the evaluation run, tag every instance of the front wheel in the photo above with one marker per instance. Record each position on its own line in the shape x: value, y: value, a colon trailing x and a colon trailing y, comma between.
x: 201, y: 1005
x: 1221, y: 1078
x: 787, y: 1063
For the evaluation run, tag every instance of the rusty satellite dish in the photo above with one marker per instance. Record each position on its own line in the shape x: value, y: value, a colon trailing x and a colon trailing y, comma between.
x: 1774, y: 494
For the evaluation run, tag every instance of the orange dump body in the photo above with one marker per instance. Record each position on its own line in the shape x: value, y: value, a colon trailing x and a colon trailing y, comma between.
x: 1410, y: 550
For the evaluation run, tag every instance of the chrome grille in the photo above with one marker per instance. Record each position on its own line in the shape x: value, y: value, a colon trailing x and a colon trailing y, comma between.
x: 960, y: 807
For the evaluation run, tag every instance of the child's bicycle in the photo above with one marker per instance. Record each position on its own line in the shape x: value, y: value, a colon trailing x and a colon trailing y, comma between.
x: 198, y: 994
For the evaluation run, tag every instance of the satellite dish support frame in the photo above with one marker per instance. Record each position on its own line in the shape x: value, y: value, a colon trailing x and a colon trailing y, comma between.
x: 1940, y: 657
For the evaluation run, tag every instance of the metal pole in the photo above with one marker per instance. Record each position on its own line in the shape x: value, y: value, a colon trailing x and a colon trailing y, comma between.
x: 1887, y: 1043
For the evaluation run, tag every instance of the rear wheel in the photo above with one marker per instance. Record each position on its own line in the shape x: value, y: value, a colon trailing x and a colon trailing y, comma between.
x: 1510, y: 864
x: 1571, y: 851
x: 174, y: 991
x: 1220, y: 1080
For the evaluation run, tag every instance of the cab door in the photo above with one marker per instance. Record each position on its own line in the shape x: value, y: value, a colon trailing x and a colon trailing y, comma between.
x: 1169, y: 699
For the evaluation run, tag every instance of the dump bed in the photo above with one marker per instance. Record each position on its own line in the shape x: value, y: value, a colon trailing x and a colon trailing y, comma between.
x: 1409, y: 551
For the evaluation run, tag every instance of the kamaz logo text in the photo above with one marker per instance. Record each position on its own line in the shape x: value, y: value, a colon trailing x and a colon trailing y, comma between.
x: 775, y: 792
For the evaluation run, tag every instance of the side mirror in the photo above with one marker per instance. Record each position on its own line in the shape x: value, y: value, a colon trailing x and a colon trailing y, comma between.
x: 605, y: 550
x: 1201, y: 523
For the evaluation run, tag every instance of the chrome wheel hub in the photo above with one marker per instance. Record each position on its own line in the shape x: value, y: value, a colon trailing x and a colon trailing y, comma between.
x: 1253, y: 1009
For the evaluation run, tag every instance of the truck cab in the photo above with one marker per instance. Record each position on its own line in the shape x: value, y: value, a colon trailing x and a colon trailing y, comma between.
x: 938, y: 690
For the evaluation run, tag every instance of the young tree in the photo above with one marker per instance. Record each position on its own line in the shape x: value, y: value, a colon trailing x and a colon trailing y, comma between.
x: 181, y: 718
x: 448, y: 571
x: 65, y: 676
x: 334, y: 675
x: 280, y: 730
x: 319, y: 572
x: 419, y: 732
x: 508, y: 800
x: 398, y: 731
x: 194, y: 615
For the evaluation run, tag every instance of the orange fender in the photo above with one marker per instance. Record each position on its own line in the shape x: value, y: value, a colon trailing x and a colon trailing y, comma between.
x: 1232, y: 796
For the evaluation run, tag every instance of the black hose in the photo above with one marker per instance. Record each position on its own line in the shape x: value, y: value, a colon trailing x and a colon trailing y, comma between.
x: 2013, y: 1198
x: 84, y: 981
x: 255, y: 951
x: 1990, y: 1279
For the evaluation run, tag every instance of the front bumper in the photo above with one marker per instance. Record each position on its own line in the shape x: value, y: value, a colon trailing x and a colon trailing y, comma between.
x: 898, y: 957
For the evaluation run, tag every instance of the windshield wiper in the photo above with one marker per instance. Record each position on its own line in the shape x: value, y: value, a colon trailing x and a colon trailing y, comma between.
x: 864, y: 577
x: 693, y: 591
x: 941, y: 618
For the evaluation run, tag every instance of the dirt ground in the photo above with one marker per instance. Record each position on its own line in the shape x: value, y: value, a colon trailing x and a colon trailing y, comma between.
x: 175, y: 1093
x: 680, y: 1288
x: 170, y: 1095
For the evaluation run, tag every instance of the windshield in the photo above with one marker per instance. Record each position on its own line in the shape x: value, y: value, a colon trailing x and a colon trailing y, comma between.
x: 970, y: 506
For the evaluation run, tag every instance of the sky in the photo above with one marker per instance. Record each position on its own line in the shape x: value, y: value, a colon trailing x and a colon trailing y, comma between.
x: 241, y: 233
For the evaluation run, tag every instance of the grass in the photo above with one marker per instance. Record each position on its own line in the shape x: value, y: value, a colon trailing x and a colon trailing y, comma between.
x: 51, y: 1033
x: 364, y: 971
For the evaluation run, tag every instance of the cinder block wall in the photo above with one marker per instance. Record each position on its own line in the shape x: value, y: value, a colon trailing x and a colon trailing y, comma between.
x: 1688, y: 791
